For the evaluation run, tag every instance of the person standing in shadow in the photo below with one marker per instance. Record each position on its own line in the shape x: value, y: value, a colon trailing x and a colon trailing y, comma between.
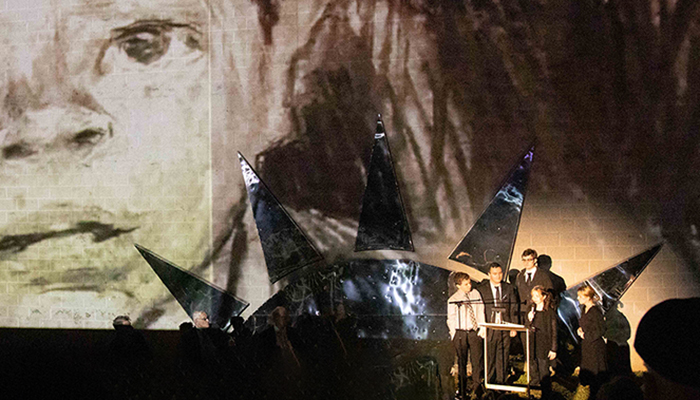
x: 278, y: 357
x: 204, y: 357
x: 128, y: 356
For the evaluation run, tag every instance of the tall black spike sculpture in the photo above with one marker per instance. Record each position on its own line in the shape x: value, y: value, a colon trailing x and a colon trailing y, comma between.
x: 194, y: 293
x: 493, y: 235
x: 383, y: 222
x: 284, y: 245
x: 609, y: 285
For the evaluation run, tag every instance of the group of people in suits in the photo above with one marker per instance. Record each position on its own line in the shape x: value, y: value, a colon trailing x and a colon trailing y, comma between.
x: 530, y: 301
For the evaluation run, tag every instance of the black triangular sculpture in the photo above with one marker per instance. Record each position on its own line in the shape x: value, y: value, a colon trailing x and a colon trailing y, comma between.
x: 383, y: 222
x: 492, y: 237
x: 609, y: 285
x: 284, y: 245
x: 194, y: 293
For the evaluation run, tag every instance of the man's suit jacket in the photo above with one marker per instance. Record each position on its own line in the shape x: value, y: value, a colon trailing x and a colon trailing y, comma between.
x: 541, y: 278
x: 509, y: 300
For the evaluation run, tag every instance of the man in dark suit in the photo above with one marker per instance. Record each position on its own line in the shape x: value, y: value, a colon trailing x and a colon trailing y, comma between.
x: 527, y: 279
x: 500, y: 305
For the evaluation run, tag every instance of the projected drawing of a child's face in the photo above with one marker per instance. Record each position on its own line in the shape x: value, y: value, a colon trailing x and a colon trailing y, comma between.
x: 105, y: 141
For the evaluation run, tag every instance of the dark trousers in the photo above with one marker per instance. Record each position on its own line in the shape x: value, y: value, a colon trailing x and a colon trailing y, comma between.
x: 497, y: 357
x: 539, y: 375
x: 539, y: 370
x: 465, y: 342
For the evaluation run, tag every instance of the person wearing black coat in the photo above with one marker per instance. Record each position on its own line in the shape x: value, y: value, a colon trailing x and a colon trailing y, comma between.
x: 127, y: 361
x: 542, y: 322
x: 528, y: 278
x: 591, y: 329
x: 500, y: 305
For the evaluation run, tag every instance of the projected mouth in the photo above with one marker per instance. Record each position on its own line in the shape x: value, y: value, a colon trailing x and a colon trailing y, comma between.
x: 100, y: 233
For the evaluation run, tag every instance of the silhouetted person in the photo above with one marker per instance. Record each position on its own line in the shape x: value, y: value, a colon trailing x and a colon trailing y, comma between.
x: 203, y: 357
x: 128, y: 345
x: 278, y: 357
x: 617, y: 333
x: 240, y: 334
x: 667, y: 340
x: 128, y: 355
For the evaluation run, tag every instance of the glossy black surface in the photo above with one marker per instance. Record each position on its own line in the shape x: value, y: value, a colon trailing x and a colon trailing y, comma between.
x: 609, y: 285
x: 285, y: 246
x: 388, y: 299
x: 193, y: 293
x: 383, y: 223
x: 492, y: 237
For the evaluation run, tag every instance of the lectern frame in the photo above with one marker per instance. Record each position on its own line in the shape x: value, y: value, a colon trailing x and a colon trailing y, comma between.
x: 507, y: 327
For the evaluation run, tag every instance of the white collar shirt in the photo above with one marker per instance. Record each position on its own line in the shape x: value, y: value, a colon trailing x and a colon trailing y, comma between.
x: 458, y: 316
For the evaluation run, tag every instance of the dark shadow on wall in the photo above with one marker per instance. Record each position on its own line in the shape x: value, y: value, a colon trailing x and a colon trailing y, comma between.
x: 544, y: 262
x: 618, y: 333
x: 634, y: 105
x: 343, y: 90
x: 588, y: 80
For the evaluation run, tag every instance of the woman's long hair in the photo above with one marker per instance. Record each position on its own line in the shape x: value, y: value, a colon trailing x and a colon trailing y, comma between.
x: 546, y: 295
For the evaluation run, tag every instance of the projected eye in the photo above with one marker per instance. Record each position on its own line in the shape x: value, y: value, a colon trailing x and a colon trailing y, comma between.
x: 86, y: 138
x: 145, y: 47
x: 17, y: 151
x: 145, y: 42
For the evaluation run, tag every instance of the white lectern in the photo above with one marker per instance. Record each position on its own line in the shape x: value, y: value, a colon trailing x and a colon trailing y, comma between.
x: 507, y: 327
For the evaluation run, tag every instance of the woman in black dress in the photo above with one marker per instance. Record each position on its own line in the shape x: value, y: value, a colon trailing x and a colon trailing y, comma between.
x: 542, y: 322
x: 591, y: 330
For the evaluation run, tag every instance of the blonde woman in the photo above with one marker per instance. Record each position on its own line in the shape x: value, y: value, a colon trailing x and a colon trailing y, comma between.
x: 591, y: 330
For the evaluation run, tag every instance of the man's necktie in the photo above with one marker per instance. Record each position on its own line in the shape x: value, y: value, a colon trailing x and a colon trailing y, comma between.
x: 472, y: 317
x: 497, y: 300
x: 529, y: 278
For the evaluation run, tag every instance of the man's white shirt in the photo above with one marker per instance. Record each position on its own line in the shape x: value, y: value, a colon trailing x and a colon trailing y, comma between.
x: 458, y: 317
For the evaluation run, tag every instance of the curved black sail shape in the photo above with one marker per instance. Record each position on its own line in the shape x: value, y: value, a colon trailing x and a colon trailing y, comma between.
x: 383, y: 222
x: 388, y: 299
x: 284, y: 245
x: 609, y: 285
x: 194, y: 293
x: 493, y: 235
